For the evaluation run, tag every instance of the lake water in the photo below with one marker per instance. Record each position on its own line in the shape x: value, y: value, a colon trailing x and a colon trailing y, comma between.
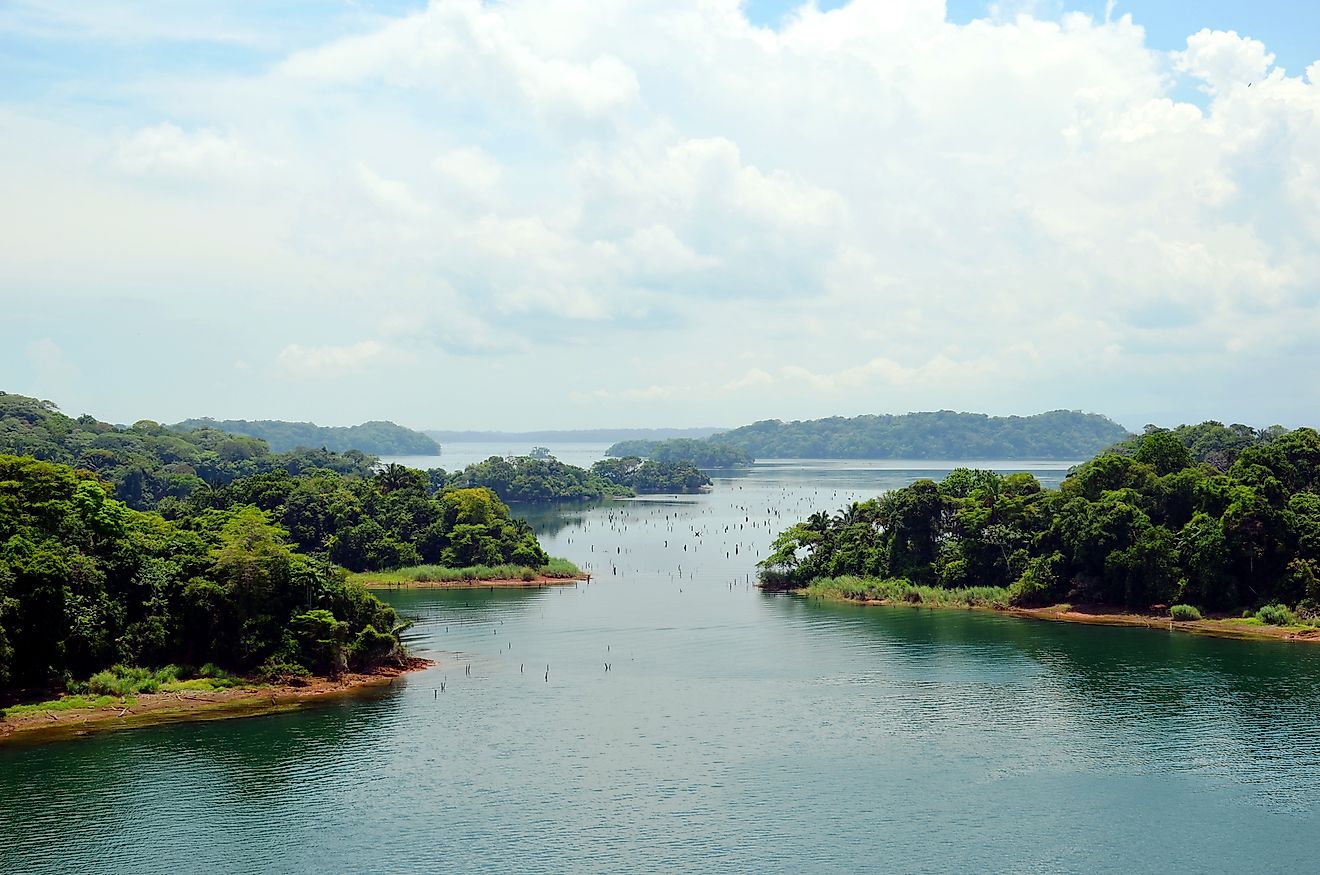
x: 733, y: 732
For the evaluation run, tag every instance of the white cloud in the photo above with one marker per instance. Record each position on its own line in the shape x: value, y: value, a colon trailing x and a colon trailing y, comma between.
x: 331, y: 361
x: 391, y: 194
x: 168, y: 150
x: 471, y: 169
x: 458, y: 44
x: 869, y: 206
x: 1222, y: 59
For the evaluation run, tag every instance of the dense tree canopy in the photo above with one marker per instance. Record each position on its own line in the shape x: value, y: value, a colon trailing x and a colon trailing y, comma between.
x: 1059, y: 434
x: 392, y: 520
x: 647, y: 476
x: 1211, y: 443
x: 374, y: 438
x: 1149, y: 527
x: 146, y: 463
x: 86, y: 582
x: 524, y: 479
x: 534, y: 480
x: 240, y: 561
x: 712, y: 453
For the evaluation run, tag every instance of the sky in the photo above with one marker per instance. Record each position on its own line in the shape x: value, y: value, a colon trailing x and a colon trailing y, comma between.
x: 537, y: 214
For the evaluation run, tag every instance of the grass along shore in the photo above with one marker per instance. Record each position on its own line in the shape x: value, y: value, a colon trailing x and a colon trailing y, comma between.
x: 143, y: 697
x: 556, y: 571
x: 1269, y: 623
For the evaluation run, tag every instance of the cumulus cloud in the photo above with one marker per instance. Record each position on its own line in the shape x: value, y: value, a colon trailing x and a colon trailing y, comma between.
x: 453, y: 43
x: 168, y: 150
x: 868, y: 206
x: 1222, y: 59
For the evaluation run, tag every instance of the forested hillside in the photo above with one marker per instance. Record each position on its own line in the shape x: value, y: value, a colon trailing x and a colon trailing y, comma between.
x: 87, y: 583
x: 374, y: 438
x: 1059, y: 434
x: 147, y: 464
x: 142, y: 546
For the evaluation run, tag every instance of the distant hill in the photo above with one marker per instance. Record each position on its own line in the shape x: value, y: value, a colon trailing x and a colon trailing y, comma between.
x: 375, y: 438
x: 944, y: 434
x: 582, y: 435
x: 150, y: 466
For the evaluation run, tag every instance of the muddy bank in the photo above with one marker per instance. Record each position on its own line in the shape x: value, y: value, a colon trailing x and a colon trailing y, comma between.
x: 149, y: 709
x: 1106, y: 615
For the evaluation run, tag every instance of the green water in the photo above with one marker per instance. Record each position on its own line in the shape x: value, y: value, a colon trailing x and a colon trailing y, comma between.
x: 734, y: 731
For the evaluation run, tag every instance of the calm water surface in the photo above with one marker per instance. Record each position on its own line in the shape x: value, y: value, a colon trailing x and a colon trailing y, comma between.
x: 734, y: 731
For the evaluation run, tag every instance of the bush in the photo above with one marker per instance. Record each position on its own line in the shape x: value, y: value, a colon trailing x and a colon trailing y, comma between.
x: 1039, y: 582
x: 371, y: 647
x: 275, y: 671
x: 1276, y: 615
x: 1184, y: 612
x: 123, y: 681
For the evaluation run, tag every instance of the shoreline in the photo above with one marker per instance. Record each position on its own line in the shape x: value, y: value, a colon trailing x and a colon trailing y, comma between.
x: 1106, y: 615
x: 154, y: 709
x: 486, y: 583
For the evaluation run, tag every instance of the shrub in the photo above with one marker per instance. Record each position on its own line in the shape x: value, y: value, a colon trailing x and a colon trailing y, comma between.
x: 1184, y: 612
x: 279, y: 671
x: 371, y: 647
x: 1039, y: 581
x: 123, y: 681
x: 1276, y: 615
x: 211, y: 670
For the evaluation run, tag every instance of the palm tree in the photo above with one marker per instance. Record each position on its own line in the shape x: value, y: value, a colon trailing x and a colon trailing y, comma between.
x: 394, y: 477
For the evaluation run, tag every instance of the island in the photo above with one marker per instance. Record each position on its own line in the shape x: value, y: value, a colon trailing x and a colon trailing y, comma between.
x: 651, y: 477
x: 239, y: 594
x: 711, y: 453
x: 544, y: 479
x: 1143, y: 534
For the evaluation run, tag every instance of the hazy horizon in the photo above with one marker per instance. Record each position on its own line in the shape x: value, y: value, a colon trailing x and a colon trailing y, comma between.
x: 519, y: 217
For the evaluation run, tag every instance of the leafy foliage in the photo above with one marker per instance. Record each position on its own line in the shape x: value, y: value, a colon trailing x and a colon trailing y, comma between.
x: 711, y: 453
x: 944, y: 434
x: 391, y: 520
x: 648, y: 476
x: 554, y: 568
x: 1137, y: 529
x: 1210, y: 443
x: 525, y: 480
x: 148, y: 465
x: 374, y: 438
x: 87, y: 583
x: 1184, y: 613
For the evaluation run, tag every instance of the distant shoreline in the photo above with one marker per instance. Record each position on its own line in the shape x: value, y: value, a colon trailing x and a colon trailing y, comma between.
x: 1106, y: 615
x: 154, y: 709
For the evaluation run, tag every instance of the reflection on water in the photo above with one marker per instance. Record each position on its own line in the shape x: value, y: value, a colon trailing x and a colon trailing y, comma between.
x: 733, y: 731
